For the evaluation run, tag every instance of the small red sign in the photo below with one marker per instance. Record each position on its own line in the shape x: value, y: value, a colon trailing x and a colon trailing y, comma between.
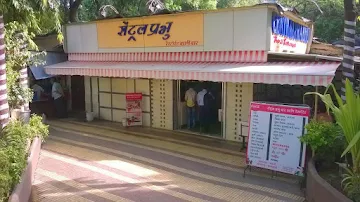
x: 133, y: 109
x: 133, y: 96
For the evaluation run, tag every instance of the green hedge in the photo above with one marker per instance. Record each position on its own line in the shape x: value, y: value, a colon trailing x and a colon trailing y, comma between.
x: 13, y: 151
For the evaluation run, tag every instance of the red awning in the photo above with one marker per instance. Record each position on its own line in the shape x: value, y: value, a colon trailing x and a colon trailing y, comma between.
x: 293, y: 73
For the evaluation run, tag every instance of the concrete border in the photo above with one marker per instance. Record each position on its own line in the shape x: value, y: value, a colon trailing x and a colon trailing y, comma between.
x: 22, y: 191
x: 319, y: 190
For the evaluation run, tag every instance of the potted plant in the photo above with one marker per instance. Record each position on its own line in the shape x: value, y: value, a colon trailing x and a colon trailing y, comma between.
x: 347, y: 116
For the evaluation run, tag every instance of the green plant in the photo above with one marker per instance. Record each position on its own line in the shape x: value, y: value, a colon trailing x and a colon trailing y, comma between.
x: 325, y: 140
x: 19, y: 40
x: 38, y: 128
x: 18, y: 95
x: 347, y: 116
x: 15, y: 139
x: 13, y: 151
x: 351, y: 184
x: 5, y: 178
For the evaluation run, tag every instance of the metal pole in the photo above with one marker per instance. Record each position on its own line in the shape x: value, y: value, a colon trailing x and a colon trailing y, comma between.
x: 223, y: 123
x: 316, y: 103
x: 178, y: 104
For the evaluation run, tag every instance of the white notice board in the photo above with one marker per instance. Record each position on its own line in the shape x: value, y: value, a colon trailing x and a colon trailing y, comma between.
x: 274, y: 131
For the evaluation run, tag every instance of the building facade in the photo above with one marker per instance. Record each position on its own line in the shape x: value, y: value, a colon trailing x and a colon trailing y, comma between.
x: 157, y: 55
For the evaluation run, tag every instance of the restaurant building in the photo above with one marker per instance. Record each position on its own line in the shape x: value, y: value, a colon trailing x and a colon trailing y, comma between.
x: 242, y: 54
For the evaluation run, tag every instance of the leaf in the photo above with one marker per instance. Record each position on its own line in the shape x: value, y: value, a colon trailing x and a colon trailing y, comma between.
x: 350, y: 173
x: 354, y: 141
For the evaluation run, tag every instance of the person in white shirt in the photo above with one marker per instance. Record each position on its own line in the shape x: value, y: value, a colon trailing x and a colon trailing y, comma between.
x: 202, y: 111
x: 38, y: 90
x: 200, y: 97
x: 57, y: 94
x: 190, y: 100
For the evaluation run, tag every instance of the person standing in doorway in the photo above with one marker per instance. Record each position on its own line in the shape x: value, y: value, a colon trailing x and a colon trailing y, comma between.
x: 202, y: 111
x: 57, y: 94
x: 209, y: 107
x: 190, y: 99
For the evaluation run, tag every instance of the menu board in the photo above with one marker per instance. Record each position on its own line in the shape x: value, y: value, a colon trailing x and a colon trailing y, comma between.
x: 274, y: 132
x: 133, y: 109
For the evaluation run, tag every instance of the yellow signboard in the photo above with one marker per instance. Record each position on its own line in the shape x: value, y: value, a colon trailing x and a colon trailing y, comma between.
x: 155, y: 31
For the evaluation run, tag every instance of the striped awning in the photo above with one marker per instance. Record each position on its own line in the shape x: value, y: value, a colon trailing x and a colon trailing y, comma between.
x: 293, y: 73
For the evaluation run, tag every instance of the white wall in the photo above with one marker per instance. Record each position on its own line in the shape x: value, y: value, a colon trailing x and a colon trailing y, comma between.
x: 250, y: 29
x: 238, y: 99
x: 162, y: 102
x: 109, y: 95
x: 81, y: 38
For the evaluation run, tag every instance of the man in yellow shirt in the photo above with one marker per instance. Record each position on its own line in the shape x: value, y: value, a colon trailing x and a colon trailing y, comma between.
x: 190, y: 99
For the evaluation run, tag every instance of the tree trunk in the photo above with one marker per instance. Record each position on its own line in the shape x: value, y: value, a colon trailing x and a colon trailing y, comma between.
x: 73, y: 13
x: 98, y: 6
x: 4, y: 106
x: 349, y: 44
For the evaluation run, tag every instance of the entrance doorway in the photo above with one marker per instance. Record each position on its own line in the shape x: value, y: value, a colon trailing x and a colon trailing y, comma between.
x: 207, y: 116
x: 78, y: 93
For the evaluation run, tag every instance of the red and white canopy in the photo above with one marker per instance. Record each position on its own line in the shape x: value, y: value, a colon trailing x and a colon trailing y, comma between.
x: 293, y: 73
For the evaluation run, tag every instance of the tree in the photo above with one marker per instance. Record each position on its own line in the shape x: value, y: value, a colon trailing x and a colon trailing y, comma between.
x: 89, y: 9
x: 349, y: 45
x: 186, y: 5
x: 28, y: 13
x: 328, y: 25
x: 73, y: 13
x: 235, y: 3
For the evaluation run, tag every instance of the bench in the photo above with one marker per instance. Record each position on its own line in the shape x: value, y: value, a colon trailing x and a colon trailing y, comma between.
x: 243, y: 132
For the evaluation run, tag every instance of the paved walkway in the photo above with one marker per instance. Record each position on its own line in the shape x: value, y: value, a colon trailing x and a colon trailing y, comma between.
x: 100, y: 162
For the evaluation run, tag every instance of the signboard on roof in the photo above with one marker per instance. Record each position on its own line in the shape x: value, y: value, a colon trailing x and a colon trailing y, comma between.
x: 284, y: 44
x: 155, y: 31
x: 288, y: 36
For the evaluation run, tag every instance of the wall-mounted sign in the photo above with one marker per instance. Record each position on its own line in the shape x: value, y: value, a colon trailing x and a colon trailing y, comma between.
x: 134, y: 31
x: 133, y: 109
x: 286, y: 45
x: 274, y: 133
x: 154, y: 31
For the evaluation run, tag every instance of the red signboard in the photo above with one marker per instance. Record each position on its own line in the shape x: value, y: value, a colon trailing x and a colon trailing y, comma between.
x: 133, y: 96
x: 284, y: 44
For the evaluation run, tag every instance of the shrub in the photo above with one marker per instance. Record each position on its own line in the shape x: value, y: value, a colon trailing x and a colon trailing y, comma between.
x: 38, y: 128
x: 326, y: 142
x: 5, y: 177
x: 13, y: 151
x: 351, y: 184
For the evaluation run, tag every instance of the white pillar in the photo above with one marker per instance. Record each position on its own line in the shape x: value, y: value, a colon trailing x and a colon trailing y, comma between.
x: 4, y: 105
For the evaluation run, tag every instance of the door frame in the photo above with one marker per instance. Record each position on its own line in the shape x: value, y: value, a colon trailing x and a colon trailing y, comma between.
x: 223, y: 106
x: 83, y: 105
x: 178, y: 114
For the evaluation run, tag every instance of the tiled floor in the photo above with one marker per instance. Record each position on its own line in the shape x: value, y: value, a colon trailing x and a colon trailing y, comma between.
x: 100, y: 162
